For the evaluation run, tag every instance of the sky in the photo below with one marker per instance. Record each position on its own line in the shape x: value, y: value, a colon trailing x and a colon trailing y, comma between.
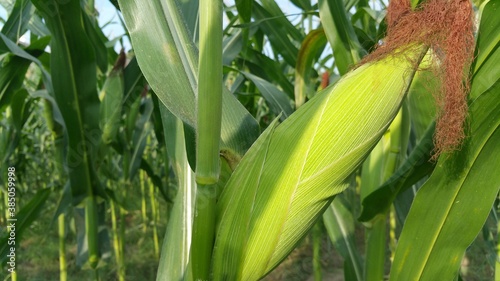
x: 109, y: 19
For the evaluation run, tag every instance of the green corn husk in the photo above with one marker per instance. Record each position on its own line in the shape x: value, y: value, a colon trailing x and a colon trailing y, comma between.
x: 293, y: 171
x: 111, y: 97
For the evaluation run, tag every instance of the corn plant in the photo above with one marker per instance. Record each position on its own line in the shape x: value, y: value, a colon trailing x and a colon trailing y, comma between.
x: 291, y: 174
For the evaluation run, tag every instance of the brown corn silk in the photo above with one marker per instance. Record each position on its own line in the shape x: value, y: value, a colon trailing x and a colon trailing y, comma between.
x: 325, y: 80
x: 447, y: 28
x: 120, y: 62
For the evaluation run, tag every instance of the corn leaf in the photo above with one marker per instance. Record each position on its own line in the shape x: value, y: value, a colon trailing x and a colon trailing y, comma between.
x: 190, y: 13
x: 6, y: 45
x: 266, y: 68
x: 373, y: 173
x: 277, y: 31
x: 17, y: 23
x: 9, y: 140
x: 139, y: 137
x: 22, y: 106
x: 290, y: 176
x: 29, y: 213
x: 312, y: 46
x: 12, y: 76
x: 461, y: 191
x: 232, y: 47
x: 365, y: 22
x: 303, y: 4
x: 74, y: 87
x: 413, y: 169
x: 422, y: 110
x: 272, y: 7
x: 488, y: 37
x: 244, y: 8
x: 134, y: 82
x: 277, y: 100
x: 37, y: 26
x: 485, y: 68
x: 339, y: 223
x: 97, y: 39
x: 340, y: 33
x: 82, y: 234
x: 177, y: 242
x: 169, y: 60
x: 56, y: 112
x: 21, y: 109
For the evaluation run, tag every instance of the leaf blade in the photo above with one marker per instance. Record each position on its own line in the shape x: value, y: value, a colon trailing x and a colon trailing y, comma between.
x: 165, y: 50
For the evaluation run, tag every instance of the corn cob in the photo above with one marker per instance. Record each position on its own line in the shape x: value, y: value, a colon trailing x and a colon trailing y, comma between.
x: 294, y: 170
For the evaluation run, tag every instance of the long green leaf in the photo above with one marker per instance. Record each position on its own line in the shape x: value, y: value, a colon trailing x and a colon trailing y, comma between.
x: 244, y: 8
x: 413, y: 169
x: 340, y: 33
x: 460, y: 192
x: 303, y: 4
x: 339, y: 223
x: 488, y: 37
x: 372, y: 175
x: 21, y: 106
x: 264, y: 67
x: 485, y: 67
x: 74, y: 69
x: 37, y: 26
x: 25, y: 217
x: 12, y: 76
x: 276, y: 12
x: 277, y: 32
x: 17, y: 22
x: 92, y: 30
x: 277, y: 100
x: 232, y: 46
x: 190, y: 12
x: 139, y: 138
x: 133, y: 82
x: 169, y: 60
x: 20, y: 110
x: 312, y: 46
x: 6, y: 45
x: 177, y: 242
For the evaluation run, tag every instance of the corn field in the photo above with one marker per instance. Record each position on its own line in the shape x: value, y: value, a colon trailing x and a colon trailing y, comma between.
x: 250, y: 140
